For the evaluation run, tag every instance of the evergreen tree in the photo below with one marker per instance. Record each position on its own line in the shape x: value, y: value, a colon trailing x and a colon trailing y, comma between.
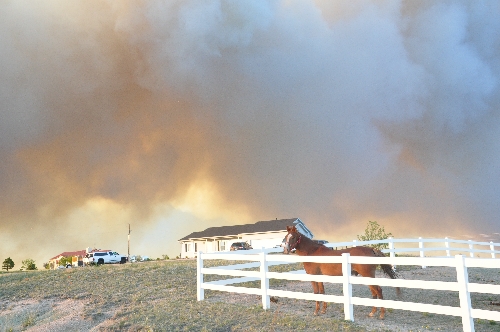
x: 8, y: 264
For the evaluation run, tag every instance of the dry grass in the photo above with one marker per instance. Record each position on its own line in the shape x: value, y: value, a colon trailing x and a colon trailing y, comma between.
x: 153, y: 296
x: 161, y: 296
x: 396, y: 320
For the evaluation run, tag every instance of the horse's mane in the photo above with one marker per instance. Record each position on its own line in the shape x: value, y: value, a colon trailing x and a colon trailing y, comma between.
x: 307, y: 239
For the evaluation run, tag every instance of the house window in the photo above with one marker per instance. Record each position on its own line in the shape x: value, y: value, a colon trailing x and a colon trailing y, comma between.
x: 196, y: 247
x: 222, y: 245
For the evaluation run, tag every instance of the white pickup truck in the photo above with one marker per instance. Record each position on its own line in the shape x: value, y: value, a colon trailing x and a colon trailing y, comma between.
x: 105, y: 257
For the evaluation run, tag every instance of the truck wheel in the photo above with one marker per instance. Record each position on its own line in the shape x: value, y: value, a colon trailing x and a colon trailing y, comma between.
x: 123, y: 260
x: 100, y: 261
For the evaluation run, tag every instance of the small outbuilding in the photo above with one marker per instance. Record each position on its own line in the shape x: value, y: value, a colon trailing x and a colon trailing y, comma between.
x: 262, y: 234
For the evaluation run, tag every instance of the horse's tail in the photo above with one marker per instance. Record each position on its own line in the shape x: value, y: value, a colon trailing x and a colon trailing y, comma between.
x: 388, y: 269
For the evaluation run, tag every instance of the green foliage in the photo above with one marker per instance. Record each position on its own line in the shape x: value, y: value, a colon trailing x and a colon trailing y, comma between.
x: 46, y: 266
x: 65, y: 260
x: 8, y: 264
x: 165, y: 257
x: 29, y: 265
x: 374, y: 231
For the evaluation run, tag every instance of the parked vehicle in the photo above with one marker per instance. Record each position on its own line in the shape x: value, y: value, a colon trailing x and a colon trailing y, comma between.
x: 321, y: 241
x: 138, y: 258
x: 105, y: 257
x: 240, y: 246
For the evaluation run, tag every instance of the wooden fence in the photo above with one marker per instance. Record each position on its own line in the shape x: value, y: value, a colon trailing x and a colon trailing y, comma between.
x: 262, y: 260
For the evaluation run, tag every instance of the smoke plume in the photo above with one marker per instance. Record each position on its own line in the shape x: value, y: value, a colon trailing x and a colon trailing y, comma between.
x: 175, y: 116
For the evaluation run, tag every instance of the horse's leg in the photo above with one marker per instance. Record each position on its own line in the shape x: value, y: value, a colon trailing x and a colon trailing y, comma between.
x: 377, y: 293
x: 321, y: 289
x: 374, y: 292
x: 380, y: 296
x: 315, y: 290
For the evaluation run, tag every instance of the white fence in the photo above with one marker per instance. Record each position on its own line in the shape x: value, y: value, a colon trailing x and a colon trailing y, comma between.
x: 448, y: 247
x: 262, y: 260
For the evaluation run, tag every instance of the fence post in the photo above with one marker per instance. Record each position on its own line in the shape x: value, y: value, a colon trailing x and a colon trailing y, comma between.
x: 421, y: 246
x: 391, y: 247
x: 471, y: 247
x: 447, y: 245
x: 492, y: 248
x: 347, y: 287
x: 463, y: 292
x: 200, y: 292
x: 264, y: 281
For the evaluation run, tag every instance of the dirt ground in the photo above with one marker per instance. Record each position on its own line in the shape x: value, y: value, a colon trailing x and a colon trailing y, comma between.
x: 80, y: 313
x: 395, y: 320
x: 52, y: 315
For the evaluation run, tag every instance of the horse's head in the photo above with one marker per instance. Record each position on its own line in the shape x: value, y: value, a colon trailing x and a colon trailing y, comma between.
x: 292, y: 239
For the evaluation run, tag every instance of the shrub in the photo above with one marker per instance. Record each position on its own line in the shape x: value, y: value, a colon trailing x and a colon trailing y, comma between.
x: 65, y: 260
x: 374, y: 231
x: 29, y: 265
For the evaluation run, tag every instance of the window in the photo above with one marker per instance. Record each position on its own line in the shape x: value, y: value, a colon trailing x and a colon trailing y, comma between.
x: 196, y: 247
x: 222, y: 245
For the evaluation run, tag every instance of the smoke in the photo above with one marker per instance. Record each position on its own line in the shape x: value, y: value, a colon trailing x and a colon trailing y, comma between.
x: 175, y: 116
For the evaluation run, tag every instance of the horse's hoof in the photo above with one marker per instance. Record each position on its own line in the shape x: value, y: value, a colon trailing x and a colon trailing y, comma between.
x: 315, y: 313
x: 382, y: 318
x: 370, y: 314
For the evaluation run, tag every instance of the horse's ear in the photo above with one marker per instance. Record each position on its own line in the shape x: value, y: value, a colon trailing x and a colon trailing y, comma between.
x: 288, y: 228
x: 294, y: 229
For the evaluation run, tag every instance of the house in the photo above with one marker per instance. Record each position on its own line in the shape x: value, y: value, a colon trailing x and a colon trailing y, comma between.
x: 77, y: 257
x: 262, y: 234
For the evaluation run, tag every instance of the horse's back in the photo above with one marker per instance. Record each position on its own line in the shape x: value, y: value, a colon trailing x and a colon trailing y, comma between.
x: 362, y: 251
x: 335, y: 269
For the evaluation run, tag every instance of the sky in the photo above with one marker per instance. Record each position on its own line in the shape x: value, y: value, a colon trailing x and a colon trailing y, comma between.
x: 175, y: 116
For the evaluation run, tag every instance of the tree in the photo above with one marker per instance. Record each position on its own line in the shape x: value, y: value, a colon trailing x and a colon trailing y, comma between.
x: 65, y: 261
x: 374, y: 231
x: 165, y: 257
x: 8, y: 264
x: 28, y: 264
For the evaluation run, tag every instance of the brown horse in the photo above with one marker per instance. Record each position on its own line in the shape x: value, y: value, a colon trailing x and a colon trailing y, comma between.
x: 306, y: 247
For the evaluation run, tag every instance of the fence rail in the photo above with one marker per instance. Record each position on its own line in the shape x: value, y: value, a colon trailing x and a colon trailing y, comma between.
x: 262, y: 260
x: 448, y: 246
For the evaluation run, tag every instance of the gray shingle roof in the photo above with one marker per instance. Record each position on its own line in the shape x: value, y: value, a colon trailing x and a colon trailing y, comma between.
x: 258, y: 227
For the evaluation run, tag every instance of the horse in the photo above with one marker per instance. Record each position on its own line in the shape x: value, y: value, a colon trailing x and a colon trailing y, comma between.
x: 306, y: 247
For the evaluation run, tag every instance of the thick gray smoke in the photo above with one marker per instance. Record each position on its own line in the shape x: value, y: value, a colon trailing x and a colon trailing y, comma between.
x: 175, y: 116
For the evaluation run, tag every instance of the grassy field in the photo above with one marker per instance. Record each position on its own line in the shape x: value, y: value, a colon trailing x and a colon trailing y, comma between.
x: 161, y: 296
x: 152, y: 296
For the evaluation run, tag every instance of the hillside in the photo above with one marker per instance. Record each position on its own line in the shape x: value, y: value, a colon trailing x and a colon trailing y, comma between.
x: 152, y: 296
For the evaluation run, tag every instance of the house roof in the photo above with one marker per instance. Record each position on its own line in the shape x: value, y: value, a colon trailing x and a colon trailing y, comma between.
x: 70, y: 254
x: 74, y: 253
x: 231, y: 231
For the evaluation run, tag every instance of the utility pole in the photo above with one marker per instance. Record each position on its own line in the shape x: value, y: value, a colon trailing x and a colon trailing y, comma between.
x: 128, y: 250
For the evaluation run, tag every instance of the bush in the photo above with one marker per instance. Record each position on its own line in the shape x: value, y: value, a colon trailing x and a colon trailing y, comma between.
x: 65, y: 261
x: 374, y: 231
x: 28, y: 264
